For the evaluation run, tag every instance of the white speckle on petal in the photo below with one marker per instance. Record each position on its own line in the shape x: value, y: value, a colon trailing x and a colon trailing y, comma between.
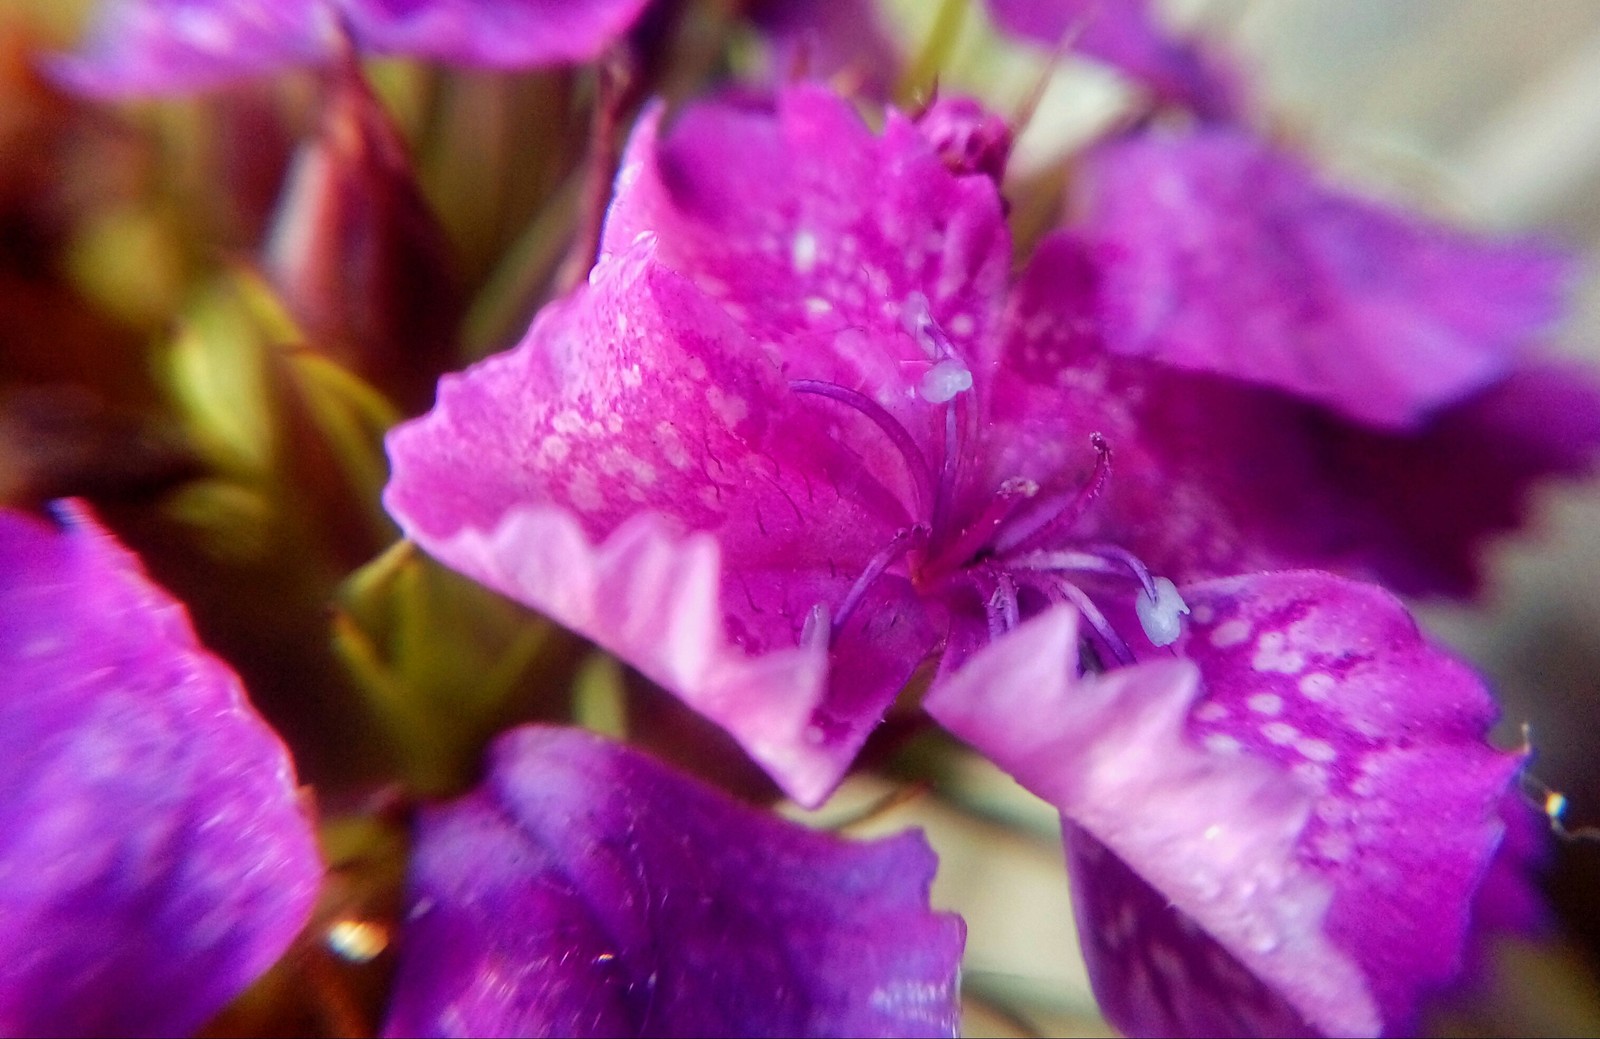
x: 1317, y: 685
x: 584, y: 491
x: 1222, y: 743
x: 816, y: 306
x: 804, y: 252
x: 1230, y: 633
x: 1316, y: 750
x: 553, y: 449
x: 1211, y: 711
x: 729, y: 407
x: 1280, y: 733
x: 1272, y: 656
x: 1265, y: 703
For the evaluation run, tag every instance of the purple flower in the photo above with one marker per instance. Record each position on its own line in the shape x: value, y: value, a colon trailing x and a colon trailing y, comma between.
x: 154, y: 857
x: 138, y: 47
x: 794, y: 437
x: 584, y: 889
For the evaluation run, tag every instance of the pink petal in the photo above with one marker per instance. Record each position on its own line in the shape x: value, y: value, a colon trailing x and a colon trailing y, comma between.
x: 493, y: 33
x: 144, y: 47
x: 1218, y: 253
x: 1154, y: 971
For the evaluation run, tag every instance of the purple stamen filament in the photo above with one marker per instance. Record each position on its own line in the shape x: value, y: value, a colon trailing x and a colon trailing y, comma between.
x: 916, y: 462
x: 903, y: 541
x: 1053, y: 517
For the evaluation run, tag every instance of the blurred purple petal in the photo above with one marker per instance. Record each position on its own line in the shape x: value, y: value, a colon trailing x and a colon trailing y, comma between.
x: 1215, y: 476
x: 1218, y: 253
x: 140, y: 47
x: 1311, y: 787
x: 154, y: 859
x: 842, y: 40
x: 586, y: 890
x: 145, y: 47
x: 1124, y: 35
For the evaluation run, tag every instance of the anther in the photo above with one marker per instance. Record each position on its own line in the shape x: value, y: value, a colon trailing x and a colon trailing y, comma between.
x: 1159, y: 613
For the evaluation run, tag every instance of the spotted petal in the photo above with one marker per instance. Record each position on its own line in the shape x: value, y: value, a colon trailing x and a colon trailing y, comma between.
x: 587, y: 890
x: 1310, y: 787
x: 154, y: 859
x: 1219, y: 253
x: 570, y: 473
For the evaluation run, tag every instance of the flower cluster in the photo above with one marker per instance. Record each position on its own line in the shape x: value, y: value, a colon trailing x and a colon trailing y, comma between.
x: 811, y: 439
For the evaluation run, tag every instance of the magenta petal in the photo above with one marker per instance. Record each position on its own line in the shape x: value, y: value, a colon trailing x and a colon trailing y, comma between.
x: 586, y: 890
x: 154, y: 858
x: 1218, y: 253
x: 1124, y: 35
x: 566, y: 473
x: 1311, y: 786
x: 856, y: 256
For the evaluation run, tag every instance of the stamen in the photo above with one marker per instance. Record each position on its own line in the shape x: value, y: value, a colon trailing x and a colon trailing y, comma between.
x: 1118, y: 554
x: 1159, y: 613
x: 817, y: 630
x: 1091, y: 613
x: 1001, y: 608
x: 916, y: 462
x: 1041, y: 526
x: 902, y: 542
x: 949, y: 377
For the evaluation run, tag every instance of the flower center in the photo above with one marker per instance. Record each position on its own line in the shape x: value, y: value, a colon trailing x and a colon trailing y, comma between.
x: 1021, y: 540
